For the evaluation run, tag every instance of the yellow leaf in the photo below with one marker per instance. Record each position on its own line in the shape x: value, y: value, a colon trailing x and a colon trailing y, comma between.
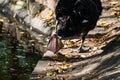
x: 60, y: 70
x: 68, y: 54
x: 1, y: 20
x: 113, y: 2
x: 68, y: 65
x: 49, y: 72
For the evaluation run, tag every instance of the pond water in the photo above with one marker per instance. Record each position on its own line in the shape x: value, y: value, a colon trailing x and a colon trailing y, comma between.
x: 16, y: 63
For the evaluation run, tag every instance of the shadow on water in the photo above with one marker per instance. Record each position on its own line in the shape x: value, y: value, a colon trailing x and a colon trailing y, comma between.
x: 16, y: 63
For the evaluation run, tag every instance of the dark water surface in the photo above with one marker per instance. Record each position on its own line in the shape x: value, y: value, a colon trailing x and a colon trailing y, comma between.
x: 16, y: 63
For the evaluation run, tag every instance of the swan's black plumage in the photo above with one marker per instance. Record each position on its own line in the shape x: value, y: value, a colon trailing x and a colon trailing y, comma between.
x: 77, y: 16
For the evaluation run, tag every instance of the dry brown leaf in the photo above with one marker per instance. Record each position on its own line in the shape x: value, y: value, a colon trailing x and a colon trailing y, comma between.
x: 94, y: 79
x: 60, y: 63
x: 60, y: 70
x: 49, y: 16
x: 53, y: 25
x: 68, y: 54
x: 68, y: 76
x: 70, y: 44
x: 116, y: 8
x: 50, y: 64
x: 38, y: 14
x: 67, y: 66
x: 50, y: 72
x: 41, y: 75
x: 59, y: 78
x: 113, y: 2
x: 1, y: 20
x: 30, y: 28
x: 103, y: 23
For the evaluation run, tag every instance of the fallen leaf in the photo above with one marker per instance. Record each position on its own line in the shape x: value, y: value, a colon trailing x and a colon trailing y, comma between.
x: 60, y: 70
x: 1, y: 20
x: 103, y: 23
x: 68, y: 65
x: 60, y: 63
x: 50, y: 72
x: 49, y: 16
x: 50, y: 64
x: 113, y: 2
x: 70, y: 44
x: 94, y: 79
x: 68, y: 54
x: 41, y: 75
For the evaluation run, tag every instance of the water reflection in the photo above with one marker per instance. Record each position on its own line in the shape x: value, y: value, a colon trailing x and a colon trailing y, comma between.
x: 16, y: 63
